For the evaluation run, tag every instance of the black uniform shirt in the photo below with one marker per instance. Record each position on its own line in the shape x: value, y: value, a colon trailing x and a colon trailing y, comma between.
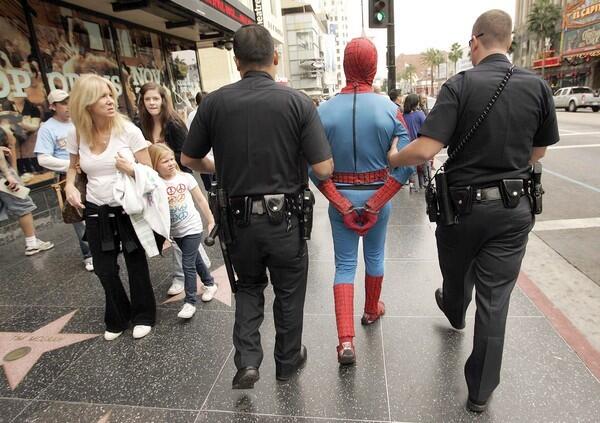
x: 523, y: 117
x: 262, y: 134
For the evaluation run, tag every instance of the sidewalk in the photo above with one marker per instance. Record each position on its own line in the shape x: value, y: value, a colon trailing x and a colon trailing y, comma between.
x: 409, y: 365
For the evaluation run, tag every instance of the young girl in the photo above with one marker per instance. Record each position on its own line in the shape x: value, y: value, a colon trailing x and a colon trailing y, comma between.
x: 160, y: 124
x: 186, y: 224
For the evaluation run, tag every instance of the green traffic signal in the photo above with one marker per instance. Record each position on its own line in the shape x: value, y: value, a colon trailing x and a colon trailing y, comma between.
x: 380, y: 16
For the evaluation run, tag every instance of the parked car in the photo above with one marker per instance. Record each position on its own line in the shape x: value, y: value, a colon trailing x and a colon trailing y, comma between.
x: 572, y: 98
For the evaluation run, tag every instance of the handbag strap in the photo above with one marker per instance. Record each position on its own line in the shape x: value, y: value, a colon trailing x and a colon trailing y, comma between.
x: 469, y: 135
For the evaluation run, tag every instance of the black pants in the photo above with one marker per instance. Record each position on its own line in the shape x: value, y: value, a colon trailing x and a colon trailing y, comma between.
x: 484, y: 250
x: 258, y: 247
x: 119, y: 311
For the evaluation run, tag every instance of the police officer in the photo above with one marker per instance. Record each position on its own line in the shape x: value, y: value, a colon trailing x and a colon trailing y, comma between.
x: 485, y: 248
x: 262, y: 134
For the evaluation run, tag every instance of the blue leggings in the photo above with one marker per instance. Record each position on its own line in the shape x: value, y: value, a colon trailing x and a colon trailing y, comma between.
x: 345, y: 241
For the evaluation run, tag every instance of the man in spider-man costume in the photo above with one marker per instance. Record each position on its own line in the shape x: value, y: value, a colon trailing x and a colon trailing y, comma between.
x: 360, y: 126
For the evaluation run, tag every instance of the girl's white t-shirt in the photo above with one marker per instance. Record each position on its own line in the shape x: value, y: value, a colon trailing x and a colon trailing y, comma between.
x: 185, y: 218
x: 100, y: 168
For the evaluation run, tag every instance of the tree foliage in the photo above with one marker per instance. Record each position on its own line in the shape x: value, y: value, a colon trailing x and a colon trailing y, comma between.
x: 543, y: 21
x: 455, y: 54
x: 432, y: 57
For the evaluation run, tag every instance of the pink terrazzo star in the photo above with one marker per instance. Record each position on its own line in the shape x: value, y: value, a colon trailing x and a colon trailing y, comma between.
x: 19, y: 351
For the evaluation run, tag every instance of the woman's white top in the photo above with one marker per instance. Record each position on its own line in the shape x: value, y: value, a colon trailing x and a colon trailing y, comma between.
x: 100, y: 168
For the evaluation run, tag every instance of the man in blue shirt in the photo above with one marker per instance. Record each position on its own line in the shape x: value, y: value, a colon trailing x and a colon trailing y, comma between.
x: 51, y: 150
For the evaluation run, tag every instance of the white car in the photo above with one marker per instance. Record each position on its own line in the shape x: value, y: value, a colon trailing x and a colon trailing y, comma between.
x: 572, y: 98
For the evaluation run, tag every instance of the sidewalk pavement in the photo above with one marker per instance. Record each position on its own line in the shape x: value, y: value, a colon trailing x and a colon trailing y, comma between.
x: 58, y: 368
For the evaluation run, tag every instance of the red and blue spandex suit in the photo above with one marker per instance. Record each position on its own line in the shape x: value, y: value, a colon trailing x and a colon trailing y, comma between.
x: 360, y: 126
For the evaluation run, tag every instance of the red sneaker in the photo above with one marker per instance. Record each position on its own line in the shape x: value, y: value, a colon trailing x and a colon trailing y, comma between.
x: 346, y: 354
x: 369, y: 319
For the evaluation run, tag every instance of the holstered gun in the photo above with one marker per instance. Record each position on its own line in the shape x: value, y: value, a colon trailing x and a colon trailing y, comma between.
x: 536, y: 191
x: 306, y: 215
x: 439, y: 202
x: 219, y: 205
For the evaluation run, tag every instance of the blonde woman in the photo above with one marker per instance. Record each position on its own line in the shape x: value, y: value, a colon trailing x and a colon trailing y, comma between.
x: 106, y: 141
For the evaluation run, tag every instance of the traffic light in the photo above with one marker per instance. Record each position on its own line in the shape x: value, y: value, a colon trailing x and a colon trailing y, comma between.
x: 379, y: 13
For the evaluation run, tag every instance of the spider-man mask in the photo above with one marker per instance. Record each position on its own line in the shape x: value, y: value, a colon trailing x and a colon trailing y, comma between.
x: 360, y: 65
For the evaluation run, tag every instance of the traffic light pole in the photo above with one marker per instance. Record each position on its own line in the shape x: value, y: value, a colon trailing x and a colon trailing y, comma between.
x: 391, y: 49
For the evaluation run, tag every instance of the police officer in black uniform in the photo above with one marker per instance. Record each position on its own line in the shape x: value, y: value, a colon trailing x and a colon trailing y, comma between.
x: 485, y: 245
x: 262, y: 135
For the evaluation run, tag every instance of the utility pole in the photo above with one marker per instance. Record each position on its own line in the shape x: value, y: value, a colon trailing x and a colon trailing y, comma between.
x: 362, y: 16
x: 391, y: 48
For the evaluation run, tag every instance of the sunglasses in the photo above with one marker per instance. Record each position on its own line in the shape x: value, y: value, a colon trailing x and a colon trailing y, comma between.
x: 476, y: 36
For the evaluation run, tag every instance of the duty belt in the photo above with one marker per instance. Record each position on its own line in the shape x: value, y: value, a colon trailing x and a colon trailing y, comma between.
x: 360, y: 178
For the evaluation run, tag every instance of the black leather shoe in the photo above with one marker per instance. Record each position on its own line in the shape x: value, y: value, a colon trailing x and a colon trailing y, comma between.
x: 476, y: 407
x: 301, y: 361
x: 245, y: 378
x: 439, y: 299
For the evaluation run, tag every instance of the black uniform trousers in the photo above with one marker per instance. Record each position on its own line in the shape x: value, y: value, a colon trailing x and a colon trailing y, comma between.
x: 119, y: 310
x: 258, y: 247
x: 484, y: 250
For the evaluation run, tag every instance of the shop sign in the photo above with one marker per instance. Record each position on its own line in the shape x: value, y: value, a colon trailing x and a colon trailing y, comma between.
x: 229, y: 11
x: 20, y: 80
x: 581, y: 13
x: 258, y: 12
x: 548, y: 62
x: 577, y: 41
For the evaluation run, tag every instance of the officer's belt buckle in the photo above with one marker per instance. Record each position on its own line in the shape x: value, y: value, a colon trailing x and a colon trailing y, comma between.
x: 258, y: 207
x: 487, y: 194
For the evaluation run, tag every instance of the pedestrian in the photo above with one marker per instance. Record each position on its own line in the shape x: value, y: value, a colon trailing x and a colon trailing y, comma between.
x: 396, y: 98
x: 158, y: 120
x: 199, y: 96
x: 261, y: 133
x: 160, y: 124
x: 52, y: 154
x: 414, y: 119
x: 488, y: 178
x: 104, y: 142
x: 423, y: 105
x: 361, y: 186
x: 206, y: 178
x: 18, y: 206
x: 186, y: 224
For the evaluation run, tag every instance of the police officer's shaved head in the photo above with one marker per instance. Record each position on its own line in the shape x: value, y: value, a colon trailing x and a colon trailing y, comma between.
x: 496, y: 27
x: 253, y: 45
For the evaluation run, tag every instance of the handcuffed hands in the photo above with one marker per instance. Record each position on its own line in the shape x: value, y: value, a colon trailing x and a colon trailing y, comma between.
x: 360, y: 223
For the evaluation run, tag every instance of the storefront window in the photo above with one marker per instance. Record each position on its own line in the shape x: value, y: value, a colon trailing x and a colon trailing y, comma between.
x: 73, y: 43
x: 141, y: 60
x: 22, y: 91
x: 185, y: 82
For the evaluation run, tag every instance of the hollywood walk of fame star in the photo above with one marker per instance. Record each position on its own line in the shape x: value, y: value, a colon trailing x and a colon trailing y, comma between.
x: 19, y: 351
x: 223, y: 293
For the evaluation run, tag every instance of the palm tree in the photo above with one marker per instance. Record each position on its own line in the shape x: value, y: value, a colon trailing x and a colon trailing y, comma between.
x: 409, y: 74
x: 543, y: 21
x: 432, y: 57
x: 455, y: 54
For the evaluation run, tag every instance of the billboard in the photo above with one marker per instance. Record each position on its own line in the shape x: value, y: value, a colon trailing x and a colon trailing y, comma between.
x: 581, y: 28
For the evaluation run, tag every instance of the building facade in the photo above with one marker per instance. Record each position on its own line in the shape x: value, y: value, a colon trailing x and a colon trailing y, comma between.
x: 304, y: 31
x: 573, y: 57
x: 337, y: 12
x: 268, y: 14
x: 48, y: 44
